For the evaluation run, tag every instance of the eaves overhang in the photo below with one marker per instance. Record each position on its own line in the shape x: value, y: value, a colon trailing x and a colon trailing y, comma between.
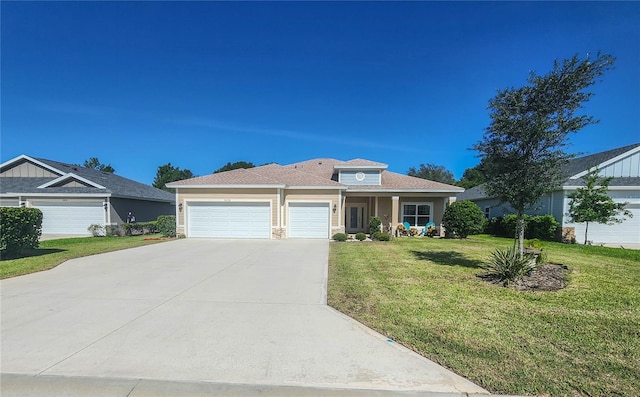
x: 69, y: 195
x: 405, y: 190
x: 170, y: 185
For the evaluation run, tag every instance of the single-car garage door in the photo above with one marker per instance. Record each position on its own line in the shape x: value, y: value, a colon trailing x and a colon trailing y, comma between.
x: 308, y: 220
x: 70, y: 217
x: 229, y: 220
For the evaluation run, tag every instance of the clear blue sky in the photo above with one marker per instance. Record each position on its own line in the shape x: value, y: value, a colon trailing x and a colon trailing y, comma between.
x: 200, y: 84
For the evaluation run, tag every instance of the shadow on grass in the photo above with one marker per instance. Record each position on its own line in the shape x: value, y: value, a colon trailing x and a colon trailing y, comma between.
x: 32, y: 253
x: 448, y: 258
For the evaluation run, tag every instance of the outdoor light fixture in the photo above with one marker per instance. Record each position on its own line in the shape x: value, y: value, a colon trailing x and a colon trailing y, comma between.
x: 335, y: 208
x: 180, y: 207
x: 105, y: 205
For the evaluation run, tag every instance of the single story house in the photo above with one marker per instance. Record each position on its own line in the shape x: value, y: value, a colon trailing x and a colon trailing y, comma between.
x: 623, y: 164
x: 72, y: 197
x: 311, y: 199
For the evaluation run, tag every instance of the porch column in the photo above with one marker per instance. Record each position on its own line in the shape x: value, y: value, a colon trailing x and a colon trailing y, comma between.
x: 395, y: 210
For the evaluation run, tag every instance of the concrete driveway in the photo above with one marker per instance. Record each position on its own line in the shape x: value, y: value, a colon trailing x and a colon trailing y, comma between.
x: 198, y: 315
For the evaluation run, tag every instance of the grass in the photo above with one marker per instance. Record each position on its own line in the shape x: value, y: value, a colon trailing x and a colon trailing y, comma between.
x: 51, y: 253
x: 424, y: 293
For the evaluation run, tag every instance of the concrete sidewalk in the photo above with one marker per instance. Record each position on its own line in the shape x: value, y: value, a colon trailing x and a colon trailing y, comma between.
x: 200, y: 314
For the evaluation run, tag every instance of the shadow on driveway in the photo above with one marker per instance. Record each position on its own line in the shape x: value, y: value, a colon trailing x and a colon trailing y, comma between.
x: 447, y: 258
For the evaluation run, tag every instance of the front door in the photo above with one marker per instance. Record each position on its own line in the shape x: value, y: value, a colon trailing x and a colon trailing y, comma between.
x: 355, y: 218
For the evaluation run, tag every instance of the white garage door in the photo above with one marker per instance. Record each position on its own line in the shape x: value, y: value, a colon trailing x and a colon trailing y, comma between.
x: 308, y: 220
x: 72, y: 217
x: 229, y: 220
x: 627, y: 232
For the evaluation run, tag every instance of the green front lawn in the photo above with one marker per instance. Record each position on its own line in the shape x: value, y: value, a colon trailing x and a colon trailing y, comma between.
x: 51, y: 253
x: 425, y: 294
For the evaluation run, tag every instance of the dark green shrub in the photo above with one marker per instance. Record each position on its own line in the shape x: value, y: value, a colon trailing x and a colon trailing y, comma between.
x: 542, y: 227
x: 339, y: 237
x: 374, y: 225
x: 166, y: 225
x: 361, y: 236
x: 20, y: 229
x: 463, y: 218
x: 508, y: 266
x: 383, y: 236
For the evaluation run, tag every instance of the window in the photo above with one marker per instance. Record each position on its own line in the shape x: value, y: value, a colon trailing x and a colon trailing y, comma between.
x: 487, y: 212
x: 417, y: 214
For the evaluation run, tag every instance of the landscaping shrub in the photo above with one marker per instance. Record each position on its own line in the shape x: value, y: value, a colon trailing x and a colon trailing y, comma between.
x: 374, y: 225
x: 463, y: 218
x: 508, y: 266
x: 383, y: 237
x: 138, y: 228
x: 361, y: 236
x: 166, y: 225
x: 20, y: 229
x: 340, y: 237
x: 97, y: 230
x: 114, y: 230
x: 542, y: 227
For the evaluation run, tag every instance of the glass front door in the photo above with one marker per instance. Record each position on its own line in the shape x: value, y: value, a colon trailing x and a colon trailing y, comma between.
x: 355, y: 218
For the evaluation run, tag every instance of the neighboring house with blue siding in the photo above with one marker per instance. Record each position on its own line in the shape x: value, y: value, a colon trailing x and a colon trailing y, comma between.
x: 623, y: 164
x: 72, y: 197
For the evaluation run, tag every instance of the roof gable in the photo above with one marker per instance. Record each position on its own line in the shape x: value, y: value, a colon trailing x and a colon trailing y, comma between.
x: 620, y: 162
x: 24, y: 166
x: 67, y: 181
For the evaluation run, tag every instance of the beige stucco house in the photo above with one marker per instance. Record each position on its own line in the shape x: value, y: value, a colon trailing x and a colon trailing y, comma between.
x: 311, y: 199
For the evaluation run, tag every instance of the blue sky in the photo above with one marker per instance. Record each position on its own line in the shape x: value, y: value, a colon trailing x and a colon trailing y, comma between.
x: 200, y: 84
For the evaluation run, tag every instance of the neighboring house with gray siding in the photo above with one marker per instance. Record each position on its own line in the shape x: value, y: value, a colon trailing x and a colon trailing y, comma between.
x: 72, y: 197
x: 623, y: 164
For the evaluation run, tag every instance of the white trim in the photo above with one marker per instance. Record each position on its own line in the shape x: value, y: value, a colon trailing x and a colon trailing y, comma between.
x: 70, y: 175
x: 607, y: 162
x: 279, y: 208
x: 108, y: 210
x: 40, y: 163
x: 360, y: 167
x: 317, y: 187
x: 609, y: 188
x: 351, y: 190
x: 174, y: 186
x: 69, y: 195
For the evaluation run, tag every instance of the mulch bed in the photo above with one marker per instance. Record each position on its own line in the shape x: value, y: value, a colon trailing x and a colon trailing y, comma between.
x: 548, y: 277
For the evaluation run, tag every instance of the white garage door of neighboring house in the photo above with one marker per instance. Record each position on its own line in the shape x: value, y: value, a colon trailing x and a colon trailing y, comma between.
x: 308, y: 220
x: 71, y: 217
x: 229, y: 220
x: 627, y: 232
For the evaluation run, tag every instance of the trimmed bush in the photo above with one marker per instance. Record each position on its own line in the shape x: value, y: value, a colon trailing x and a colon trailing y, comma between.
x: 383, y: 237
x: 374, y: 225
x: 20, y: 229
x: 166, y: 225
x: 339, y: 237
x: 361, y: 236
x: 138, y: 228
x: 542, y: 227
x: 463, y: 218
x: 97, y: 230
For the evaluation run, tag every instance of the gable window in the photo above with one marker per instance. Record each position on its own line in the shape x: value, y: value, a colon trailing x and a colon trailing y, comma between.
x: 417, y: 214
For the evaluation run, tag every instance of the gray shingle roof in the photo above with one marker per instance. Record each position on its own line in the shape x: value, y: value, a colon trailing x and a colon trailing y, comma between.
x: 574, y: 167
x: 115, y: 185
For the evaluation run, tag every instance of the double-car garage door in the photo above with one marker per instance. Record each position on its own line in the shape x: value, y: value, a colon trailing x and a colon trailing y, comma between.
x: 73, y: 217
x: 253, y: 220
